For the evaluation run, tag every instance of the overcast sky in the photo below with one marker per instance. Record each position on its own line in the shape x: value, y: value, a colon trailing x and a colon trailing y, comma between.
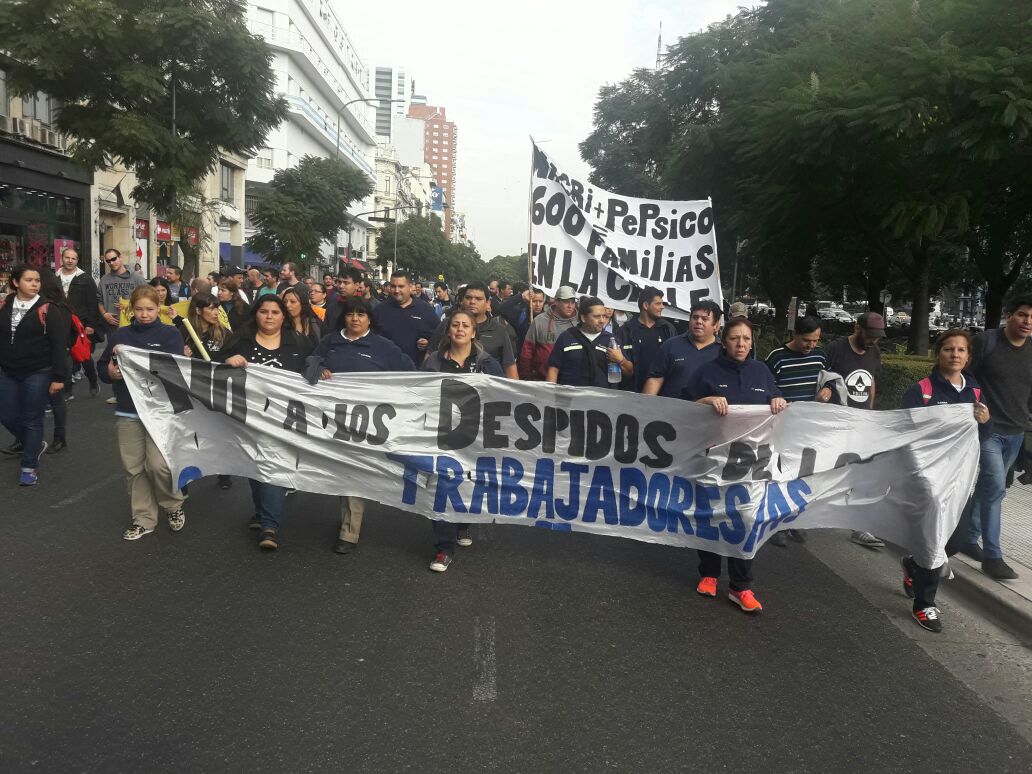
x: 506, y: 71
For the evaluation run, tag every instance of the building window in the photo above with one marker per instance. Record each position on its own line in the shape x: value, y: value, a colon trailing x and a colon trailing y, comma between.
x: 37, y: 106
x: 226, y: 182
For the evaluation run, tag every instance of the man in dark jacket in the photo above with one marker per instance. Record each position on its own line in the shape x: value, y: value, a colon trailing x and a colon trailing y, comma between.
x: 84, y: 300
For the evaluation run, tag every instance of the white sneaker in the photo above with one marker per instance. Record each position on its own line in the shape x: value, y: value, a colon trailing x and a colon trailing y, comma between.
x: 112, y: 400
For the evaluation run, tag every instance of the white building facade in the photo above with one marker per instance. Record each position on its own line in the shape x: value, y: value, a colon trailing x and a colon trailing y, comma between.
x: 321, y: 76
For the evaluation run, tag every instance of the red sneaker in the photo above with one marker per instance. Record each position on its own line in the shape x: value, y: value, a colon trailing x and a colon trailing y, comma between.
x: 707, y: 587
x: 745, y: 600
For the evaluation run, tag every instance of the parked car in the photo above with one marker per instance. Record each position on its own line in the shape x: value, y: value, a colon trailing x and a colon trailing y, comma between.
x: 844, y: 317
x: 899, y: 319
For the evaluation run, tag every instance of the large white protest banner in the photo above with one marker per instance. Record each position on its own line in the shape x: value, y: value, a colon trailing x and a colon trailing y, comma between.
x: 611, y: 246
x: 476, y: 448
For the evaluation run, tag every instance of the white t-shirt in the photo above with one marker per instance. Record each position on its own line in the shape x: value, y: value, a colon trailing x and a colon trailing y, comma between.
x: 18, y: 310
x: 66, y: 279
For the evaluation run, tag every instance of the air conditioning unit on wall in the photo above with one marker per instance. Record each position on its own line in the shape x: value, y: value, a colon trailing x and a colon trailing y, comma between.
x: 20, y: 126
x: 36, y: 131
x: 6, y: 124
x: 51, y: 139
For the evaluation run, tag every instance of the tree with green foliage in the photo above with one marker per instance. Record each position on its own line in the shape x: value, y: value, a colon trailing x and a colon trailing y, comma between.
x: 159, y: 85
x: 511, y: 268
x: 871, y: 143
x: 305, y: 206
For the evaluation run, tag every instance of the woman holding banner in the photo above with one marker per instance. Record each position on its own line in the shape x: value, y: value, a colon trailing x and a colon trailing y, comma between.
x: 459, y: 353
x: 267, y: 339
x: 204, y: 334
x: 582, y: 355
x: 734, y: 378
x: 150, y: 481
x: 947, y: 383
x: 354, y: 349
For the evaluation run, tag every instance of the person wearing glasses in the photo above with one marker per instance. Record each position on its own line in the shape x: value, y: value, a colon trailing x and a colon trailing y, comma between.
x: 117, y: 284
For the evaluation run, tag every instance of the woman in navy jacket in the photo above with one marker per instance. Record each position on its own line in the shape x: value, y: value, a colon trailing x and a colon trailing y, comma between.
x: 733, y: 379
x: 947, y: 383
x: 354, y: 349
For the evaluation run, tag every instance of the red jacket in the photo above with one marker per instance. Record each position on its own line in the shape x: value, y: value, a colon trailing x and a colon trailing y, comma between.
x: 537, y: 345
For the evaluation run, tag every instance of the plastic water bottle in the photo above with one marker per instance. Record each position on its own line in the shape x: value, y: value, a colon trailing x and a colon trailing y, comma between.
x: 614, y: 372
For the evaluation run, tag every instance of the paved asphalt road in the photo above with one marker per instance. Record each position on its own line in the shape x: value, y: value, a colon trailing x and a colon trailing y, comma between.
x: 535, y: 652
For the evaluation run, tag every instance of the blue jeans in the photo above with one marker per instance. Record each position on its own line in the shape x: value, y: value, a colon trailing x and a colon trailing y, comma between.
x: 981, y: 518
x: 23, y: 399
x: 268, y: 503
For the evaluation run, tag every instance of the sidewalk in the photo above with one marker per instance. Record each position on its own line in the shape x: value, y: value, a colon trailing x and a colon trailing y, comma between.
x: 1016, y: 539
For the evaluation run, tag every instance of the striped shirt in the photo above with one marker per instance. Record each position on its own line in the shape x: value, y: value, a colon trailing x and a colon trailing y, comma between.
x: 796, y: 374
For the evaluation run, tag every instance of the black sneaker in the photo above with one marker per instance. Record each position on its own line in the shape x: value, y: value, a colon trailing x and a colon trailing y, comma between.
x: 225, y: 482
x: 929, y: 618
x: 255, y: 522
x: 908, y: 582
x: 268, y: 540
x: 971, y: 549
x: 797, y: 535
x: 464, y: 539
x: 69, y: 396
x: 998, y: 569
x: 344, y: 547
x: 94, y: 390
x: 778, y: 539
x: 59, y: 445
x: 13, y: 450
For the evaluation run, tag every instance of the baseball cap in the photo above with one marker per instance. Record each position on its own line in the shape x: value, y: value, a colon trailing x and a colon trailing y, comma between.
x: 738, y: 309
x: 565, y: 293
x: 872, y: 323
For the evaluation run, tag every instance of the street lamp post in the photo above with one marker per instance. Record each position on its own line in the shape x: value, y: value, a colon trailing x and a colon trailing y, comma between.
x: 378, y: 100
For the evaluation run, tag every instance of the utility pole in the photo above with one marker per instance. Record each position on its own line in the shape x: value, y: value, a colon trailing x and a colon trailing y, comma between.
x: 659, y: 46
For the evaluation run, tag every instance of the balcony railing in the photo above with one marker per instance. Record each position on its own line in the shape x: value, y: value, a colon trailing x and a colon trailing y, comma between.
x: 295, y: 41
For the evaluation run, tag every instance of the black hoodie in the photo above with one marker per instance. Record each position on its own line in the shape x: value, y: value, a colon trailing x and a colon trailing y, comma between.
x: 35, y: 345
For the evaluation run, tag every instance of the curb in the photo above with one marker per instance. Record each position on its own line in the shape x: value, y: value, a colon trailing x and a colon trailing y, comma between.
x: 1011, y: 608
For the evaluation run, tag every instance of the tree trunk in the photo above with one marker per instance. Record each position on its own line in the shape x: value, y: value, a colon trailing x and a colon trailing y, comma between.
x: 995, y: 291
x: 919, y: 312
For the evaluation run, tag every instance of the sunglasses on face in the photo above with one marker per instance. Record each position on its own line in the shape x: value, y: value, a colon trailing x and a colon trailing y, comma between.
x: 111, y: 260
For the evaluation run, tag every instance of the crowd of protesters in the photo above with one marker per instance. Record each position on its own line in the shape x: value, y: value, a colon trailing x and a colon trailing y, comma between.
x: 276, y: 318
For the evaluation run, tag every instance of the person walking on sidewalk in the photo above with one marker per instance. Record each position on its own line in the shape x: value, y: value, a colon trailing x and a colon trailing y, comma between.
x: 149, y: 478
x: 858, y: 360
x: 948, y: 383
x: 1002, y: 363
x: 84, y: 300
x: 33, y: 366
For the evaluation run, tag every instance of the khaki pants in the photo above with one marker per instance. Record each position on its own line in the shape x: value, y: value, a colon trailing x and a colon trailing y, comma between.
x: 150, y: 480
x: 351, y: 511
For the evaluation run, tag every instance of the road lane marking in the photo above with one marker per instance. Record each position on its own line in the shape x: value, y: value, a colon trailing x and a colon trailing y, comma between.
x: 485, y: 688
x: 83, y: 493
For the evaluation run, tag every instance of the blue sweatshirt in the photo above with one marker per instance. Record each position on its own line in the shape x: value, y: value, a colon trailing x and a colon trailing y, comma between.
x: 154, y: 337
x: 944, y: 393
x: 405, y: 326
x: 743, y: 384
x: 369, y: 353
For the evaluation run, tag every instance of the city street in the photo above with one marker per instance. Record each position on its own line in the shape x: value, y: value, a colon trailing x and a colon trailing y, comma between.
x: 535, y: 652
